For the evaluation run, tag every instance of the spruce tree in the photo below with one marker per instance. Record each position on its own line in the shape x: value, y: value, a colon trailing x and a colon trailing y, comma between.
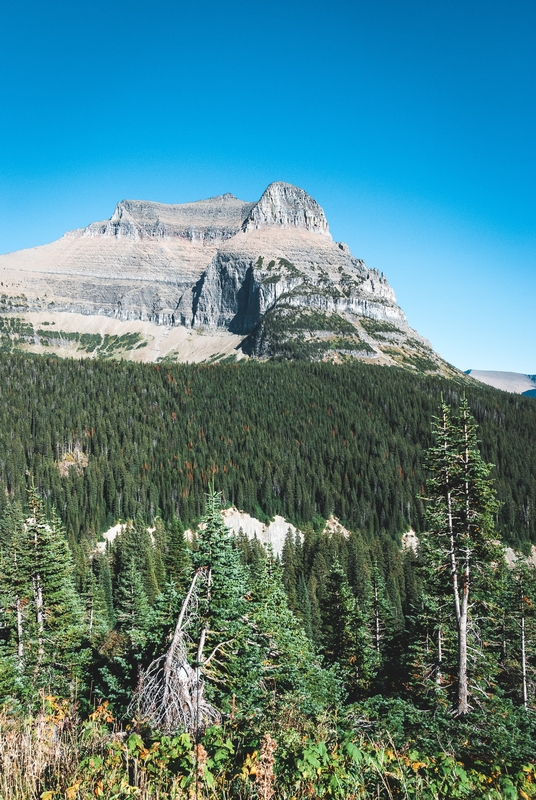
x: 223, y: 649
x: 39, y: 579
x: 460, y: 513
x: 516, y: 610
x: 304, y: 605
x: 177, y: 560
x: 291, y: 672
x: 15, y: 594
x: 132, y: 606
x: 336, y: 605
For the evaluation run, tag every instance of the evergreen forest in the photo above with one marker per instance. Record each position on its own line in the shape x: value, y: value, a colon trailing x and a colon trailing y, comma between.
x: 166, y: 665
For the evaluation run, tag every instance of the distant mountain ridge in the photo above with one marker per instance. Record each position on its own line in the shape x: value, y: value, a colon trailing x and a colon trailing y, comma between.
x: 515, y: 382
x: 268, y: 272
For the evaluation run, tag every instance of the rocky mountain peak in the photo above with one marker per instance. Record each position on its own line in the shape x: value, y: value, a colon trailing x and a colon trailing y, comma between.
x: 286, y: 206
x: 265, y: 276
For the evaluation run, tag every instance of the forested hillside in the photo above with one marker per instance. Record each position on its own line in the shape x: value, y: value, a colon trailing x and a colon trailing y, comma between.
x: 108, y: 440
x: 170, y: 669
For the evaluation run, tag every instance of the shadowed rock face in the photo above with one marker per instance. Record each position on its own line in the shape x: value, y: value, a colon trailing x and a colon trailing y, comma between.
x: 221, y: 264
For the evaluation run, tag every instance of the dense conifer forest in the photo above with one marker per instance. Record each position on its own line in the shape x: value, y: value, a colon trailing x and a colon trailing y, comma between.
x: 158, y: 667
x: 298, y: 439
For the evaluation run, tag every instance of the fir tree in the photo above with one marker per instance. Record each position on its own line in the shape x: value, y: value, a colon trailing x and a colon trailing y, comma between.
x: 132, y: 606
x: 39, y: 579
x: 223, y: 651
x: 304, y: 605
x: 336, y: 604
x: 177, y: 561
x: 460, y: 513
x: 290, y: 669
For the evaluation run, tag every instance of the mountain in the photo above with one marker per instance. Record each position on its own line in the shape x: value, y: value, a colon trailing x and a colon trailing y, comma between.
x: 514, y: 382
x: 205, y: 280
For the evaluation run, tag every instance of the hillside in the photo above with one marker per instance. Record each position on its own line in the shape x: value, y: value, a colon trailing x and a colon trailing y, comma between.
x: 342, y: 656
x: 296, y: 439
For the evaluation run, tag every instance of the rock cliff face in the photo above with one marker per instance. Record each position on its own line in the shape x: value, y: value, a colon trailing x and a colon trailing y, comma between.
x: 268, y: 271
x: 285, y: 206
x: 206, y: 221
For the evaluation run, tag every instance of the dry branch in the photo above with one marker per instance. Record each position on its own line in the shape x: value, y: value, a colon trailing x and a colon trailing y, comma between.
x: 170, y: 693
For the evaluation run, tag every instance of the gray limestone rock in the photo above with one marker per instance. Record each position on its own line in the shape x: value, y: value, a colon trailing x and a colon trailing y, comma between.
x: 222, y: 264
x: 286, y: 206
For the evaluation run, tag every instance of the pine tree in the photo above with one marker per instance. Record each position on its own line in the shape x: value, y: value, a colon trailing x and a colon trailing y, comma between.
x: 517, y: 609
x: 291, y: 672
x: 96, y: 609
x: 132, y: 606
x: 336, y: 604
x: 304, y: 604
x: 290, y: 564
x: 134, y: 551
x: 460, y: 514
x: 159, y: 552
x: 178, y: 561
x: 39, y: 578
x: 223, y: 651
x: 104, y: 577
x: 15, y: 593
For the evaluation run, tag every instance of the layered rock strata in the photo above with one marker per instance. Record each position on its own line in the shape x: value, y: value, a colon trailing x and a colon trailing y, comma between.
x: 267, y: 271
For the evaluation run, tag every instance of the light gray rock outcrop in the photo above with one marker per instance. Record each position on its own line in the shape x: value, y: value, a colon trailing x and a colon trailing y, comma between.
x: 515, y: 382
x: 205, y: 221
x: 286, y: 206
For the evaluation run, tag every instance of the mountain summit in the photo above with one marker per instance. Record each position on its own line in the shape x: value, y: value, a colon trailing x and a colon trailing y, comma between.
x: 285, y: 206
x: 268, y: 273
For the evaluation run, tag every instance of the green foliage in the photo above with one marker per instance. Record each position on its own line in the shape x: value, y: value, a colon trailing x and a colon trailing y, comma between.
x: 109, y: 345
x: 346, y: 439
x: 89, y: 761
x: 177, y: 557
x: 324, y: 665
x: 376, y: 327
x: 42, y: 613
x: 15, y: 331
x: 420, y: 360
x: 291, y: 672
x: 289, y: 333
x: 461, y: 553
x: 63, y: 335
x: 231, y: 660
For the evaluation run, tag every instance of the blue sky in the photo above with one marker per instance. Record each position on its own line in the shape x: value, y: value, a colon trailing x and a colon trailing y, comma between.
x: 412, y: 122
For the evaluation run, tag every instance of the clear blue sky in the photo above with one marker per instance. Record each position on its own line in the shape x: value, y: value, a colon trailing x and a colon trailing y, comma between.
x: 412, y: 122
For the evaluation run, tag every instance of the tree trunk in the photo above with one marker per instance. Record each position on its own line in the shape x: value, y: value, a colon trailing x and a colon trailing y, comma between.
x: 38, y: 600
x: 463, y: 688
x: 39, y: 615
x: 439, y: 656
x: 524, y: 662
x: 20, y: 643
x: 91, y: 616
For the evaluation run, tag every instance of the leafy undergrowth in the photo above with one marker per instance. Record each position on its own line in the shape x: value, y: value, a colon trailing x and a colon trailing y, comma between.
x: 54, y: 755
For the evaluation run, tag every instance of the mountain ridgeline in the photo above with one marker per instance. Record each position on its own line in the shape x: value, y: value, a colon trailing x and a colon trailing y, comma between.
x: 266, y: 273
